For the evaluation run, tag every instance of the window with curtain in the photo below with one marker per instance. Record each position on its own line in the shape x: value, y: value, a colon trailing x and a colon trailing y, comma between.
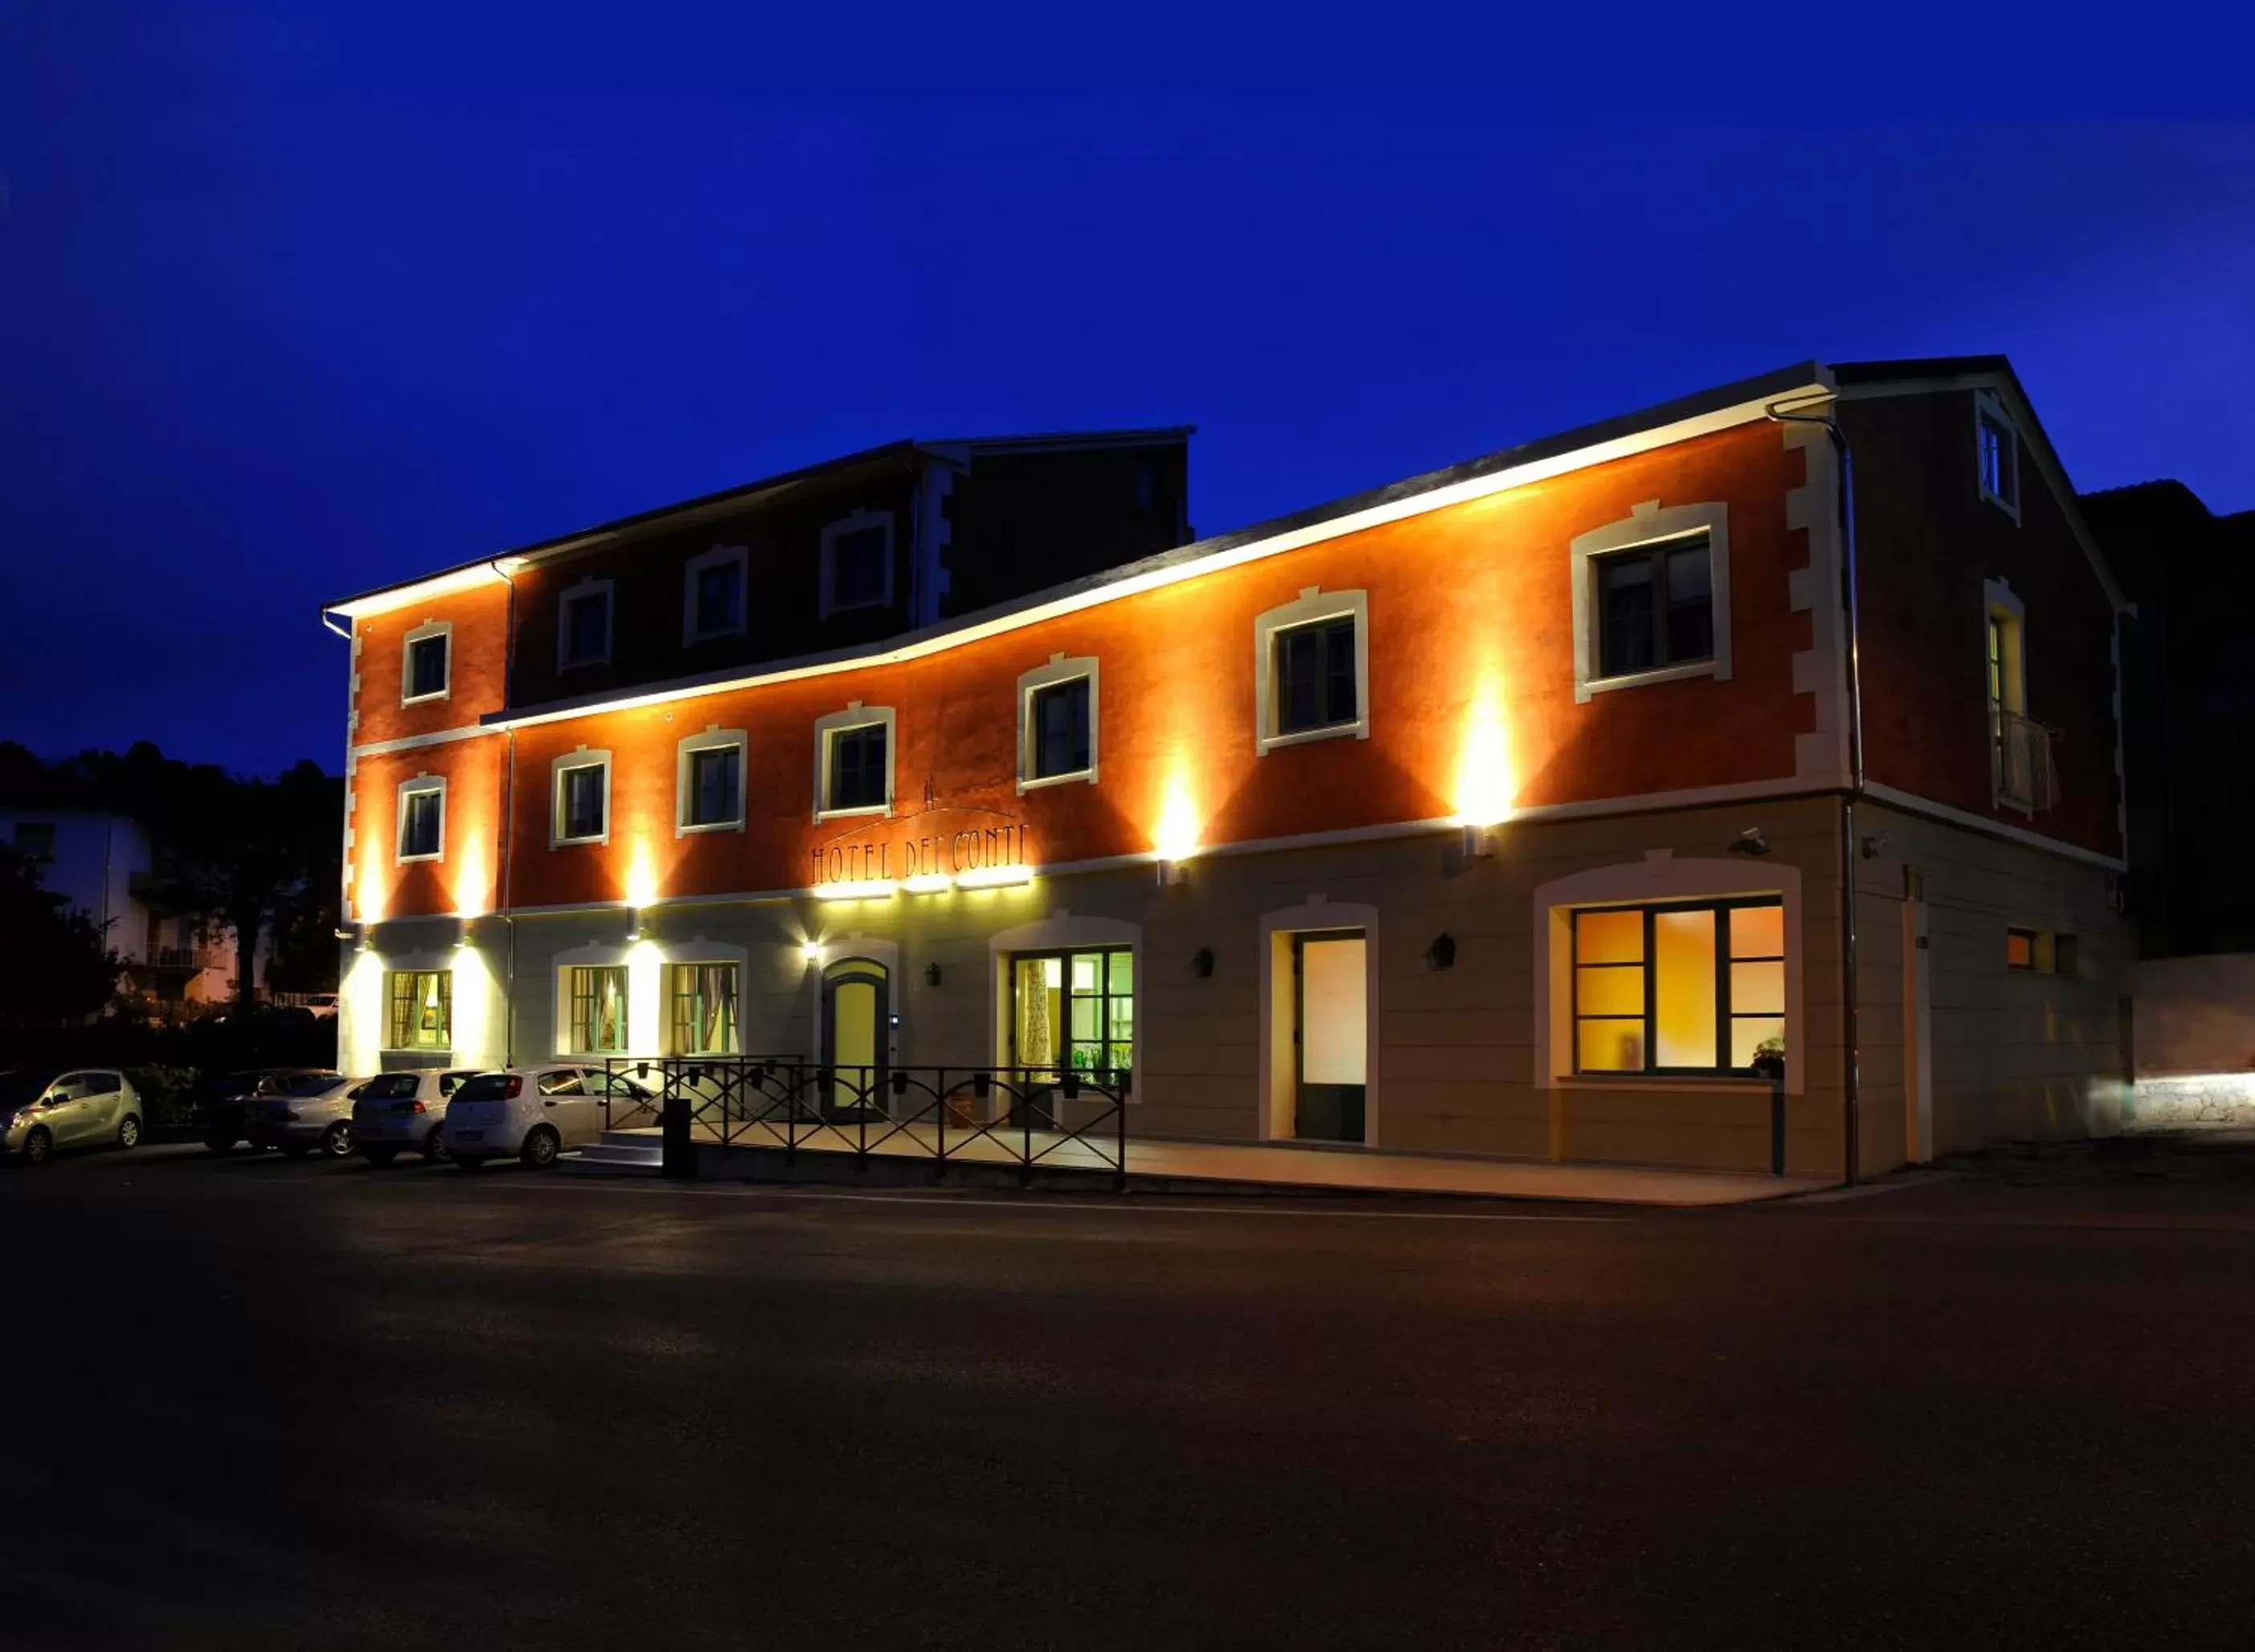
x: 1683, y: 989
x: 1074, y: 1009
x: 421, y: 1009
x: 704, y: 1010
x: 599, y: 1009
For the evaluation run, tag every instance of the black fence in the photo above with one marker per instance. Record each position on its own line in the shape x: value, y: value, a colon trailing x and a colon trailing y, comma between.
x: 1031, y: 1117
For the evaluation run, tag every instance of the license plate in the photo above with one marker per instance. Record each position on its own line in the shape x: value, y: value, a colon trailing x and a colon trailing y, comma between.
x: 469, y: 1135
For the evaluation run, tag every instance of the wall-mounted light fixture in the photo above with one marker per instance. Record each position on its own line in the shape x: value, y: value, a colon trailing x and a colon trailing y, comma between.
x: 1442, y: 954
x: 1174, y: 871
x: 932, y: 975
x: 1202, y: 962
x: 1750, y: 842
x: 1479, y: 840
x: 1875, y: 845
x: 811, y: 951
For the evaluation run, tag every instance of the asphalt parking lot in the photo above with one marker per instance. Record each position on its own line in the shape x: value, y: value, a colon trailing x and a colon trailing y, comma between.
x: 258, y: 1404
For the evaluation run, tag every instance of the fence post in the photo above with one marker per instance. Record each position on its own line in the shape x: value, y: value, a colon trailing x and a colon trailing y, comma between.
x: 1777, y: 1125
x: 1119, y: 1155
x: 679, y: 1160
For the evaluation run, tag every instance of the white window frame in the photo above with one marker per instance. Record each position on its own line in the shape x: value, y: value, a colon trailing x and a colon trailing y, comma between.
x: 580, y: 758
x: 422, y: 784
x: 2001, y: 601
x: 855, y: 716
x: 856, y: 523
x: 564, y: 601
x: 1313, y: 605
x: 714, y: 738
x: 719, y: 557
x: 1059, y: 670
x: 1989, y: 407
x: 423, y: 632
x: 1648, y: 524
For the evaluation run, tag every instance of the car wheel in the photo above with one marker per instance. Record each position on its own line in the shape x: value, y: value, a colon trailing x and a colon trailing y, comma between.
x: 38, y: 1147
x: 129, y: 1131
x: 540, y: 1149
x: 434, y: 1145
x: 383, y: 1155
x: 336, y: 1141
x: 470, y: 1161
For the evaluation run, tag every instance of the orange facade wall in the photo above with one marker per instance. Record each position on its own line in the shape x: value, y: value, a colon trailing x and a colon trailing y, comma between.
x: 1472, y: 686
x: 467, y: 878
x: 480, y: 666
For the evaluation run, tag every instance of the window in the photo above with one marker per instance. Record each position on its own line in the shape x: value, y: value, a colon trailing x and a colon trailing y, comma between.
x: 1655, y: 607
x: 1679, y: 989
x: 582, y: 799
x: 421, y: 1009
x: 597, y: 996
x: 2019, y: 948
x: 1073, y: 1010
x: 712, y: 598
x: 853, y: 761
x: 1997, y: 448
x: 35, y: 839
x: 857, y: 562
x: 705, y: 1009
x: 426, y: 666
x: 709, y: 777
x: 2040, y: 952
x: 583, y: 625
x: 423, y: 818
x: 1312, y: 669
x: 563, y: 1081
x: 1057, y: 722
x: 2018, y: 752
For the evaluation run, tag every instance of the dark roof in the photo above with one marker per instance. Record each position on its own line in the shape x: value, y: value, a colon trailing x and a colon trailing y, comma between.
x: 904, y: 451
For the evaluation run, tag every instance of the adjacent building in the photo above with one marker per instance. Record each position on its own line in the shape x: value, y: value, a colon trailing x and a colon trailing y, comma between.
x: 1548, y: 805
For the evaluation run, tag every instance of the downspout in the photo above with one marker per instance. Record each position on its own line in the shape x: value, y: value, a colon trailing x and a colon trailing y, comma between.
x: 508, y: 828
x: 1851, y: 1016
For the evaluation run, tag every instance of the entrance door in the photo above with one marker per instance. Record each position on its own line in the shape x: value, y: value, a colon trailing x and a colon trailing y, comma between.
x: 856, y: 1025
x: 1330, y: 1027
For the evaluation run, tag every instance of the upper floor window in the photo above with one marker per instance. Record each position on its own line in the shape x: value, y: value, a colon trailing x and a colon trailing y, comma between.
x: 853, y: 761
x: 1655, y: 607
x: 582, y: 799
x: 1652, y: 598
x: 425, y: 672
x: 857, y: 562
x: 709, y: 781
x: 713, y: 600
x: 1680, y: 988
x: 1997, y: 448
x: 2021, y: 773
x: 423, y: 818
x: 583, y: 625
x: 1312, y: 668
x: 1057, y: 722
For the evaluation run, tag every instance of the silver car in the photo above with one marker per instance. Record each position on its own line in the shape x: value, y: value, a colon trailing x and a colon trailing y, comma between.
x: 313, y: 1114
x: 45, y: 1109
x: 532, y: 1114
x: 396, y: 1113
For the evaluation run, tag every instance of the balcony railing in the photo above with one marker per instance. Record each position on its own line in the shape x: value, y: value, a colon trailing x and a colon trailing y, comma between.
x: 2025, y: 776
x: 182, y: 957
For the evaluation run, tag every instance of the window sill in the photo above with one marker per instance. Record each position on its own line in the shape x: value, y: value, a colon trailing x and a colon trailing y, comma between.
x: 866, y: 811
x: 830, y: 611
x: 1358, y: 730
x: 1644, y: 679
x: 1997, y: 500
x: 583, y: 665
x: 410, y: 860
x: 724, y: 634
x: 690, y: 828
x: 1035, y: 785
x: 579, y: 843
x: 1723, y: 1084
x: 447, y: 693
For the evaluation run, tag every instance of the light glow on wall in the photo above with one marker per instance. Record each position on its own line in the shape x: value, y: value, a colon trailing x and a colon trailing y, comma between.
x: 995, y: 877
x: 1486, y: 786
x: 1177, y: 836
x: 470, y: 878
x: 933, y: 883
x: 368, y: 893
x: 645, y: 997
x: 473, y: 1009
x: 359, y: 1014
x: 642, y: 875
x: 866, y: 889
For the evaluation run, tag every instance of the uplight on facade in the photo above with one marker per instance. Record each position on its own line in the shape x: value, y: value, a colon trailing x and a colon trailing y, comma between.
x: 866, y: 889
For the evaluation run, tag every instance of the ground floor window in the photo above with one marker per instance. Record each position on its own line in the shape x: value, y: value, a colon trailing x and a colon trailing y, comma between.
x: 421, y: 1009
x: 599, y: 1009
x: 1693, y: 987
x: 705, y: 1009
x: 1073, y: 1010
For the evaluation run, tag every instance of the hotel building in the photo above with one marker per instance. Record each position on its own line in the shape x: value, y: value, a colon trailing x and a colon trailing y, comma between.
x: 1510, y: 810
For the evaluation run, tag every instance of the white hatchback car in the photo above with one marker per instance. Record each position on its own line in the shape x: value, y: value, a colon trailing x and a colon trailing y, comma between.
x: 534, y: 1113
x: 396, y: 1113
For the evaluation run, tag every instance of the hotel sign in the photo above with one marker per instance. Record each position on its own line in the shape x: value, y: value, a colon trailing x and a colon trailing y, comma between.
x: 938, y: 844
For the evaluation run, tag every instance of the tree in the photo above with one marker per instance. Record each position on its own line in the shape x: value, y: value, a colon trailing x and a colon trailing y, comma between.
x: 55, y: 968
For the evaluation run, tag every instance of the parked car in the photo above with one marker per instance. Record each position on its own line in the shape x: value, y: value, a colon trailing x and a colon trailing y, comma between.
x: 313, y: 1114
x: 322, y: 1006
x: 534, y: 1113
x: 224, y: 1106
x: 45, y: 1109
x: 396, y: 1113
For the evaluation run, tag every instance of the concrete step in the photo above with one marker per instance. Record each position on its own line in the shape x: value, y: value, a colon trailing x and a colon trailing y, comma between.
x: 615, y: 1159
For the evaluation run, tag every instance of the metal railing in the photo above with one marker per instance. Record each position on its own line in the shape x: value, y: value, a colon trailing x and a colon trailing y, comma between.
x: 1030, y: 1116
x: 2025, y: 775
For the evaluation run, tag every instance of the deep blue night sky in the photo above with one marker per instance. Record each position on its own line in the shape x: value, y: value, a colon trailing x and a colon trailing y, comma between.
x: 296, y: 298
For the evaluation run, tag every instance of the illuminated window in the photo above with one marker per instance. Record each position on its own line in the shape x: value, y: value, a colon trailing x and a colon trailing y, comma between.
x: 1073, y: 1010
x: 421, y: 1009
x: 857, y: 562
x: 705, y: 1009
x: 2018, y: 755
x: 427, y: 665
x: 2040, y: 952
x: 1997, y: 450
x: 1679, y: 989
x: 1655, y: 607
x: 423, y: 818
x: 597, y: 995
